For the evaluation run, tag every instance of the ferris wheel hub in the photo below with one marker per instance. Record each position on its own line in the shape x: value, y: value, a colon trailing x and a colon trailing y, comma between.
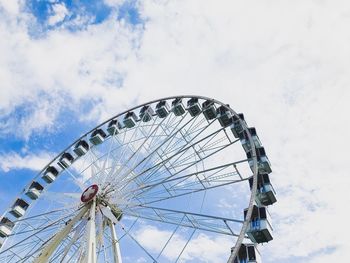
x: 89, y: 193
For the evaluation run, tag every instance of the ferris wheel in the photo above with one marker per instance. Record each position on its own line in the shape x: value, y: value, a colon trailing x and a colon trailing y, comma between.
x: 152, y: 184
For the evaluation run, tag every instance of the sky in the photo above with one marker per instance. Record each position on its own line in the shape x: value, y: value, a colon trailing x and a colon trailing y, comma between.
x: 65, y: 66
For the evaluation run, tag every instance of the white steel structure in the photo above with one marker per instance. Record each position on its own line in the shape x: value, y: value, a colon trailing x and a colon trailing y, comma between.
x: 183, y: 166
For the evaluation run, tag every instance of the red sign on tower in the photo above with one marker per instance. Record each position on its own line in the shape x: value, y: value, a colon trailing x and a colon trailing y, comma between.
x: 89, y: 193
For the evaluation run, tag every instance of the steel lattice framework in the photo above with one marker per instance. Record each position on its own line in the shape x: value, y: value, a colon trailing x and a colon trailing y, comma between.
x: 166, y: 164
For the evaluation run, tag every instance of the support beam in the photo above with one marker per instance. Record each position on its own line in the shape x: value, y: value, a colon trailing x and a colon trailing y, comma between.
x: 90, y: 256
x: 116, y: 250
x: 57, y: 239
x: 72, y: 241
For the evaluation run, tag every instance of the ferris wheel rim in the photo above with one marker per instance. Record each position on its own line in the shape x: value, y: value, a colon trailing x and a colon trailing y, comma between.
x: 254, y: 158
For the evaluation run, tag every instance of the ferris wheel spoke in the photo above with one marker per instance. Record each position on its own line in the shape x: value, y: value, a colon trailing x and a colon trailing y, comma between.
x: 185, y: 136
x: 116, y: 181
x: 32, y: 251
x: 125, y: 231
x: 155, y: 140
x: 75, y: 254
x: 136, y: 152
x: 199, y: 221
x: 96, y: 169
x: 201, y: 148
x: 139, y: 245
x: 55, y: 241
x: 74, y: 178
x: 199, y: 180
x: 62, y: 198
x: 185, y: 168
x: 39, y: 242
x: 209, y: 140
x: 153, y: 169
x: 170, y: 237
x: 27, y: 227
x: 196, y: 161
x: 124, y: 152
x: 166, y: 151
x: 30, y: 229
x: 184, y: 247
x: 44, y: 214
x: 58, y: 251
x: 153, y: 135
x: 168, y: 146
x: 13, y: 254
x: 112, y: 142
x: 66, y: 247
x: 125, y: 148
x: 78, y: 234
x: 149, y: 200
x: 116, y: 177
x: 150, y: 154
x: 116, y: 159
x: 207, y: 177
x: 134, y: 134
x: 157, y: 167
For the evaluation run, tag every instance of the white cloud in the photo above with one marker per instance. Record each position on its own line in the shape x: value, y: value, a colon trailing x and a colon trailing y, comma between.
x: 12, y: 7
x: 60, y: 12
x: 113, y: 3
x: 63, y: 69
x: 202, y: 248
x: 32, y: 161
x: 284, y: 64
x: 141, y: 260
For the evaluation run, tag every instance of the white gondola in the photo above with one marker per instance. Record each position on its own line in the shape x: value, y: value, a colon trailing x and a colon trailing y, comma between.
x: 34, y: 190
x: 264, y: 165
x: 259, y: 228
x: 245, y: 140
x: 81, y: 148
x: 114, y: 127
x: 177, y: 107
x: 19, y: 208
x: 162, y: 109
x: 193, y: 107
x: 146, y: 113
x: 247, y: 253
x: 6, y: 226
x: 237, y: 124
x: 50, y: 174
x: 66, y: 160
x: 209, y: 109
x: 266, y: 194
x: 97, y: 136
x: 130, y: 119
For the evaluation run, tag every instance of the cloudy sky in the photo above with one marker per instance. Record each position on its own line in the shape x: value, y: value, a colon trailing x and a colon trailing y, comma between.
x: 67, y: 65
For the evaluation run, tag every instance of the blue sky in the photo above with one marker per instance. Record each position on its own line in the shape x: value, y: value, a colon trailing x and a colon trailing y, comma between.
x: 65, y: 66
x: 99, y: 11
x: 52, y: 140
